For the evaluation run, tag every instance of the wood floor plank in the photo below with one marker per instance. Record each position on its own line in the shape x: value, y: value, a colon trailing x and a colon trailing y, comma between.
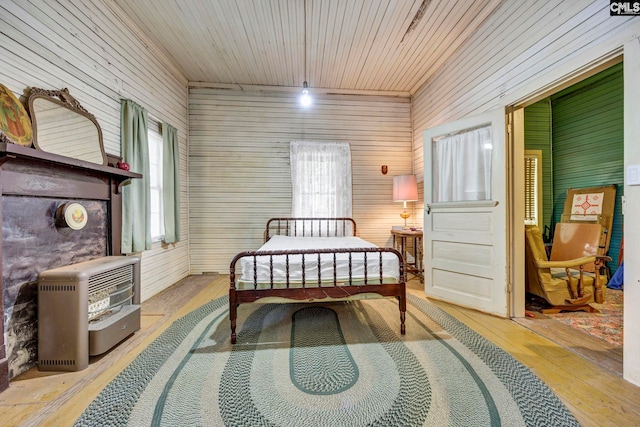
x: 596, y: 395
x: 593, y: 393
x: 597, y: 350
x: 58, y: 398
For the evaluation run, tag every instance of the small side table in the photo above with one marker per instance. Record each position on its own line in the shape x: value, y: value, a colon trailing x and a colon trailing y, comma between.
x: 410, y: 239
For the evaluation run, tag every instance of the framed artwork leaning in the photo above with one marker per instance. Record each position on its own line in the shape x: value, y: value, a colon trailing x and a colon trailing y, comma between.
x: 15, y: 124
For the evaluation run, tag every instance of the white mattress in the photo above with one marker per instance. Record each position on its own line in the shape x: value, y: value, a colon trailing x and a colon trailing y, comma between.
x: 390, y: 267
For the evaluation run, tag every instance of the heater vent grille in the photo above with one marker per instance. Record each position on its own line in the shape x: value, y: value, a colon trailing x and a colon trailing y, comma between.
x: 107, y: 279
x: 110, y: 290
x: 57, y: 288
x: 86, y: 308
x: 53, y: 362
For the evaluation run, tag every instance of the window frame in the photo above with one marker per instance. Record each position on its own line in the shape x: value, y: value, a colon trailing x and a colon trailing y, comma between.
x: 325, y: 169
x: 533, y: 187
x: 154, y: 136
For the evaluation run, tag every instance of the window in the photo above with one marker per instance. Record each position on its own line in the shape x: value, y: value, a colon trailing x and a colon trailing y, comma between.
x: 155, y: 180
x: 462, y: 166
x: 321, y: 179
x: 532, y: 186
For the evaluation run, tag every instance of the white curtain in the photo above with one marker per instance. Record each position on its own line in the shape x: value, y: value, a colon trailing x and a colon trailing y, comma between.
x: 320, y: 179
x: 462, y: 166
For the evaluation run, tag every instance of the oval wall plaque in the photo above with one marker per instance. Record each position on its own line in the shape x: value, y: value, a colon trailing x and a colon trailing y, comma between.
x: 72, y: 215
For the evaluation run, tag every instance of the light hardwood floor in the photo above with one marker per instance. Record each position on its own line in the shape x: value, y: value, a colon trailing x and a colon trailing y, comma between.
x: 596, y: 395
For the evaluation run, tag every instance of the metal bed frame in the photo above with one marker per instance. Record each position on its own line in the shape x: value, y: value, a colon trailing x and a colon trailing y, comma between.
x: 317, y: 287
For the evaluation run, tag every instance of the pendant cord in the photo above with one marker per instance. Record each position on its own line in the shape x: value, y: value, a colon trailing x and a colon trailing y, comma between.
x: 305, y: 41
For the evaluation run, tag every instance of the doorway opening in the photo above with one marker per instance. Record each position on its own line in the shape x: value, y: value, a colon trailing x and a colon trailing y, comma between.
x: 574, y: 139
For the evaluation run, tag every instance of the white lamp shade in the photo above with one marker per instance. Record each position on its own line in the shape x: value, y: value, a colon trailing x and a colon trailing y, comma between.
x: 405, y: 188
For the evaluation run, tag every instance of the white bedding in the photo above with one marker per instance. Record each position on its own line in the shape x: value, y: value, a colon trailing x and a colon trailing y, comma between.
x: 390, y: 267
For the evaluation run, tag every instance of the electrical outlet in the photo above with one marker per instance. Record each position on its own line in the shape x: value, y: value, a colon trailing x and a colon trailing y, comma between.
x: 633, y: 175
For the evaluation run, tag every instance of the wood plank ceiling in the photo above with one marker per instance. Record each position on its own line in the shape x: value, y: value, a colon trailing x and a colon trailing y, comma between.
x: 351, y: 45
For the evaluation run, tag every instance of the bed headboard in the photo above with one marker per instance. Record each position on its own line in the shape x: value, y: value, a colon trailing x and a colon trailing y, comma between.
x: 310, y: 227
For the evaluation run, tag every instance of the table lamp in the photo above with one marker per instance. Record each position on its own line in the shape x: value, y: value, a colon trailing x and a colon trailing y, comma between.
x: 405, y: 189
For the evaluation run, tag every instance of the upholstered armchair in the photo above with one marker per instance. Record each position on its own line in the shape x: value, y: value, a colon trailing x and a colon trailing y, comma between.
x: 564, y: 284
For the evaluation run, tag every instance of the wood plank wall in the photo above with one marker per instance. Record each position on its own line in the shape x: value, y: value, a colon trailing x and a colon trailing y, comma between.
x: 588, y: 131
x: 520, y: 49
x: 86, y: 46
x: 240, y: 172
x: 537, y: 136
x: 525, y: 48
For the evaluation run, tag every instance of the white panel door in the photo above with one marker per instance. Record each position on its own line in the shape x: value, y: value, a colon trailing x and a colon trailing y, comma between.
x: 465, y: 253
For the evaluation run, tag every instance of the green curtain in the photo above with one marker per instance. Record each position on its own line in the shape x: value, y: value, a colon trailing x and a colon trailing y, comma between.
x: 170, y: 183
x: 136, y: 199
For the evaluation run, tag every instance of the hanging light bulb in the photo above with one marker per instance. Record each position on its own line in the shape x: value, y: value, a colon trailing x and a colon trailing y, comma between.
x: 305, y: 98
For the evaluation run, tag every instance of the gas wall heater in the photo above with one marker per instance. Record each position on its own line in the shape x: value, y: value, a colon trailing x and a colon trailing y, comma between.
x: 85, y: 309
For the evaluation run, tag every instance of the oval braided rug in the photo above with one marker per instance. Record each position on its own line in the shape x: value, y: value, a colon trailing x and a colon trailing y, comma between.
x: 331, y: 364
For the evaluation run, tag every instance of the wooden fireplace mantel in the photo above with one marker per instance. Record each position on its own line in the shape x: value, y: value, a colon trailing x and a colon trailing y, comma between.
x: 26, y: 171
x: 18, y: 152
x: 32, y: 172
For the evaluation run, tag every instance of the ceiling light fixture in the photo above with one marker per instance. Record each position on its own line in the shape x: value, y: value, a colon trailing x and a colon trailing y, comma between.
x: 305, y: 98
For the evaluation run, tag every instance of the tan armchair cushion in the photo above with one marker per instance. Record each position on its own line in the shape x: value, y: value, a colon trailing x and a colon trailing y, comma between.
x: 548, y: 279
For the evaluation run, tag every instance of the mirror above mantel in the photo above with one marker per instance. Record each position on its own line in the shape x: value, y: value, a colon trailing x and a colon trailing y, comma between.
x: 62, y: 126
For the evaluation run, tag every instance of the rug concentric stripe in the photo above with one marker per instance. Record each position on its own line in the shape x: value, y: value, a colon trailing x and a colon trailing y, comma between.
x: 313, y: 368
x: 407, y: 405
x: 114, y: 404
x: 537, y: 404
x: 160, y: 405
x: 308, y: 364
x: 464, y: 416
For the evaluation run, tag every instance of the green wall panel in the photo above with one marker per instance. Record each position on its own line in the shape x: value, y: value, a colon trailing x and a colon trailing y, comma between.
x: 580, y: 134
x: 537, y: 136
x: 588, y: 142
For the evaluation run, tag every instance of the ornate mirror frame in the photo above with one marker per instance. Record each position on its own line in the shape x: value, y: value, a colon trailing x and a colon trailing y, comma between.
x: 91, y: 150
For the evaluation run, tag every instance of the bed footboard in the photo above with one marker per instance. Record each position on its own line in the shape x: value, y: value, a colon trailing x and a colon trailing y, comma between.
x: 365, y: 275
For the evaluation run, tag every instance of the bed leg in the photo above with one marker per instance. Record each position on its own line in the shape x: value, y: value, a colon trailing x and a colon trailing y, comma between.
x: 232, y: 318
x: 233, y: 315
x: 402, y: 305
x: 233, y: 332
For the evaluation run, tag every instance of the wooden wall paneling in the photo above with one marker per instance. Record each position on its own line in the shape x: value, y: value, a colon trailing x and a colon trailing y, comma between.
x: 90, y: 48
x: 239, y: 163
x: 588, y: 143
x: 466, y: 18
x: 490, y: 66
x: 517, y: 54
x: 537, y: 128
x: 522, y: 51
x: 484, y: 59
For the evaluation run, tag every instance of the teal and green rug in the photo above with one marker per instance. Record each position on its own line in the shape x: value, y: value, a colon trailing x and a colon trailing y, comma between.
x: 334, y: 364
